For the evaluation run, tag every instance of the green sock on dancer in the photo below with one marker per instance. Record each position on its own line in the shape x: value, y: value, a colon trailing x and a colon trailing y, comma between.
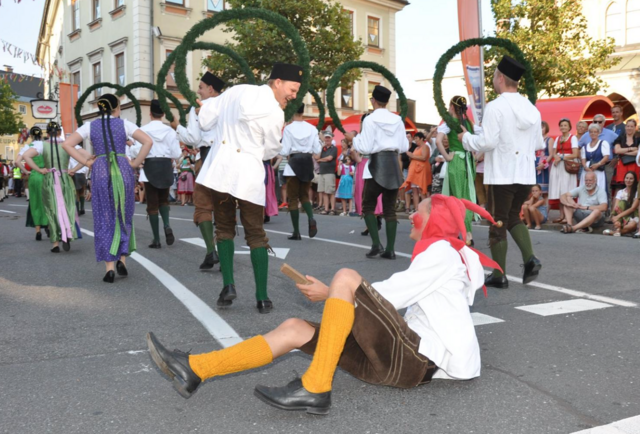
x: 206, y: 229
x: 226, y: 249
x: 164, y: 212
x: 155, y: 222
x: 499, y: 254
x: 260, y: 262
x: 391, y: 228
x: 521, y: 236
x: 295, y: 220
x: 306, y: 206
x: 372, y: 225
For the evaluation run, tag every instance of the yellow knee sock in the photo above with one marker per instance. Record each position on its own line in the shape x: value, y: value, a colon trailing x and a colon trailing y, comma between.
x: 337, y: 321
x: 252, y: 353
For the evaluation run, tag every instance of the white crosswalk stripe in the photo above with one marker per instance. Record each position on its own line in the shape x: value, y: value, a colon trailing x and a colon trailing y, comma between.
x: 624, y: 426
x: 563, y: 307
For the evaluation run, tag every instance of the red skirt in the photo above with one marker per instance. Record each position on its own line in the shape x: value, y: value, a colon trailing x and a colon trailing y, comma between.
x: 622, y: 170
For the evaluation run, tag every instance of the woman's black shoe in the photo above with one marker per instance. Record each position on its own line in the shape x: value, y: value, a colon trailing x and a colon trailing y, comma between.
x: 56, y: 249
x: 365, y: 233
x: 110, y: 277
x: 46, y: 230
x: 66, y: 246
x: 121, y: 269
x: 38, y: 236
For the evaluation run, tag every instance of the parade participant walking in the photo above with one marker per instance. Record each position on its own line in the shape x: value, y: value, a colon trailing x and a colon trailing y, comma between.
x: 158, y: 172
x: 512, y: 133
x: 435, y: 339
x: 58, y: 190
x: 210, y: 87
x: 79, y: 173
x: 383, y: 138
x: 36, y: 214
x: 112, y: 182
x: 17, y: 181
x: 248, y: 120
x: 299, y: 144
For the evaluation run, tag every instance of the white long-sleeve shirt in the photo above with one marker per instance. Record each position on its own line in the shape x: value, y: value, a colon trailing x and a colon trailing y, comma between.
x: 165, y: 144
x: 193, y: 135
x: 299, y: 137
x: 73, y: 163
x: 248, y: 122
x: 437, y: 292
x: 381, y: 131
x: 511, y: 135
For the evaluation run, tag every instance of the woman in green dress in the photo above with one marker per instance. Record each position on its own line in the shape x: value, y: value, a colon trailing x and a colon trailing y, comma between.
x: 460, y: 178
x: 36, y: 215
x: 58, y: 190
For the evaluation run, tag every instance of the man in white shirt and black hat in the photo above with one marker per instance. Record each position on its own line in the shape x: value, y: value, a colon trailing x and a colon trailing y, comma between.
x: 383, y: 138
x: 158, y: 172
x: 511, y: 135
x: 210, y: 87
x: 300, y: 143
x: 248, y: 122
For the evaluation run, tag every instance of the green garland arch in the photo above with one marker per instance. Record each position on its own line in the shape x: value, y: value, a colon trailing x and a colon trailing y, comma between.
x: 441, y: 66
x: 158, y: 90
x: 206, y: 24
x: 85, y: 95
x: 321, y: 110
x: 164, y: 70
x: 334, y: 82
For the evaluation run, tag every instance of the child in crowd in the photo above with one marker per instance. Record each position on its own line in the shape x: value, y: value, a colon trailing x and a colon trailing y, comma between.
x: 535, y: 209
x: 345, y: 189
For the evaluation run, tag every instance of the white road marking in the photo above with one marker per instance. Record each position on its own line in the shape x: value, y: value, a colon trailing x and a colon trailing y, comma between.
x: 482, y: 319
x: 10, y: 212
x: 219, y: 329
x: 24, y: 206
x: 624, y: 426
x: 280, y: 252
x: 563, y: 307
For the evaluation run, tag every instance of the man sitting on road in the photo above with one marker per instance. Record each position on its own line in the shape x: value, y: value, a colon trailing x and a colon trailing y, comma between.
x: 361, y: 330
x: 589, y: 211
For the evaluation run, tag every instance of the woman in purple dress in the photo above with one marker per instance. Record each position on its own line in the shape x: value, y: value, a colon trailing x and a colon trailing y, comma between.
x: 112, y: 181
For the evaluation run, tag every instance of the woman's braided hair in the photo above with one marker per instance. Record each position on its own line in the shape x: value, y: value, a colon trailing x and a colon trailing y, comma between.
x: 460, y: 108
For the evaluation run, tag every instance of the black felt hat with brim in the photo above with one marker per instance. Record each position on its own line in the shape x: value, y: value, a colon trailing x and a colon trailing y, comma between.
x: 511, y: 68
x: 213, y: 81
x: 381, y: 94
x: 287, y: 72
x: 155, y: 108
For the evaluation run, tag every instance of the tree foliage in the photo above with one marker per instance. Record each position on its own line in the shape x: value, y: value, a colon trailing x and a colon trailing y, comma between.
x: 323, y: 25
x: 553, y: 35
x: 10, y: 119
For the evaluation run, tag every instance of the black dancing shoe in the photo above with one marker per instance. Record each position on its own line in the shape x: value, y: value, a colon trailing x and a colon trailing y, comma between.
x: 168, y: 233
x: 121, y: 269
x: 155, y: 245
x: 265, y: 306
x: 496, y: 282
x: 175, y: 364
x: 294, y: 397
x: 365, y: 233
x: 110, y: 277
x: 227, y: 296
x: 388, y: 255
x: 66, y: 246
x: 56, y: 249
x: 210, y: 260
x: 81, y: 212
x: 531, y: 269
x: 267, y: 219
x: 295, y: 237
x: 38, y: 236
x: 375, y: 251
x: 46, y: 231
x: 313, y: 228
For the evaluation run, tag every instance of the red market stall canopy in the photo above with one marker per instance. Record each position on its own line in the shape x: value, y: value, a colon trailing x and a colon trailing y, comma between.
x: 579, y: 108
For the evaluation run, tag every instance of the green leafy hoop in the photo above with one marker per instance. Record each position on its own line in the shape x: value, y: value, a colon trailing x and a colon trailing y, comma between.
x: 200, y: 28
x: 334, y: 82
x: 321, y: 110
x: 441, y: 66
x: 85, y: 95
x: 158, y: 91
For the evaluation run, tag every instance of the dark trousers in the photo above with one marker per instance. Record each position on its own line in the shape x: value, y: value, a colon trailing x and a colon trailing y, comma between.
x: 297, y: 192
x: 504, y: 204
x: 17, y: 187
x: 251, y: 216
x: 370, y: 198
x: 156, y: 197
x: 202, y: 200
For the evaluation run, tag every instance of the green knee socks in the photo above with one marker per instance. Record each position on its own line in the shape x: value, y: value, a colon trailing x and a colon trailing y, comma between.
x: 164, y: 212
x: 372, y: 225
x: 154, y: 220
x: 499, y: 254
x: 295, y: 220
x: 391, y: 228
x: 521, y: 236
x: 206, y: 229
x: 226, y: 248
x: 306, y: 206
x: 260, y: 262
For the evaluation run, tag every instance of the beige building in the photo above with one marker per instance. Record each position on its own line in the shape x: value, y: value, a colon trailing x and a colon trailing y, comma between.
x: 125, y: 41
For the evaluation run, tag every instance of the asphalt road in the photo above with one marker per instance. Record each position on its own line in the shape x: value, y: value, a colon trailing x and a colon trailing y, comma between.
x: 73, y: 356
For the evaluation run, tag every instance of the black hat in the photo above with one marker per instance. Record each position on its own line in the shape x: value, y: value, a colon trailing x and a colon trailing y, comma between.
x: 511, y: 68
x: 300, y: 109
x: 108, y: 102
x: 381, y: 94
x: 213, y: 81
x: 155, y: 108
x: 35, y: 131
x: 286, y: 71
x: 53, y: 128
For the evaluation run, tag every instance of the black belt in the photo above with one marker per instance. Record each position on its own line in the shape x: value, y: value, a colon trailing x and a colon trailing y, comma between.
x: 204, y: 151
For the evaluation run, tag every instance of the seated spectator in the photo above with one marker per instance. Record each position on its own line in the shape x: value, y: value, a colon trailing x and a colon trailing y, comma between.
x: 589, y: 211
x: 625, y: 209
x: 535, y: 209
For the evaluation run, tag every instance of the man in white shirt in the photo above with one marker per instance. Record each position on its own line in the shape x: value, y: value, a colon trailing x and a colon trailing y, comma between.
x: 361, y: 330
x: 79, y: 173
x: 158, y: 172
x: 299, y: 143
x: 248, y: 122
x: 383, y: 138
x: 511, y: 134
x: 210, y: 87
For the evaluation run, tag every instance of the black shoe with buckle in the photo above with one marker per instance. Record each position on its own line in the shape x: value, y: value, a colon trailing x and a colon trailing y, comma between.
x: 375, y: 251
x: 388, y: 254
x: 155, y: 245
x: 531, y: 269
x: 168, y: 233
x: 227, y: 296
x: 38, y: 236
x: 175, y: 364
x: 265, y: 306
x: 294, y: 397
x: 313, y: 228
x: 210, y: 260
x: 295, y: 237
x: 496, y: 282
x: 121, y: 269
